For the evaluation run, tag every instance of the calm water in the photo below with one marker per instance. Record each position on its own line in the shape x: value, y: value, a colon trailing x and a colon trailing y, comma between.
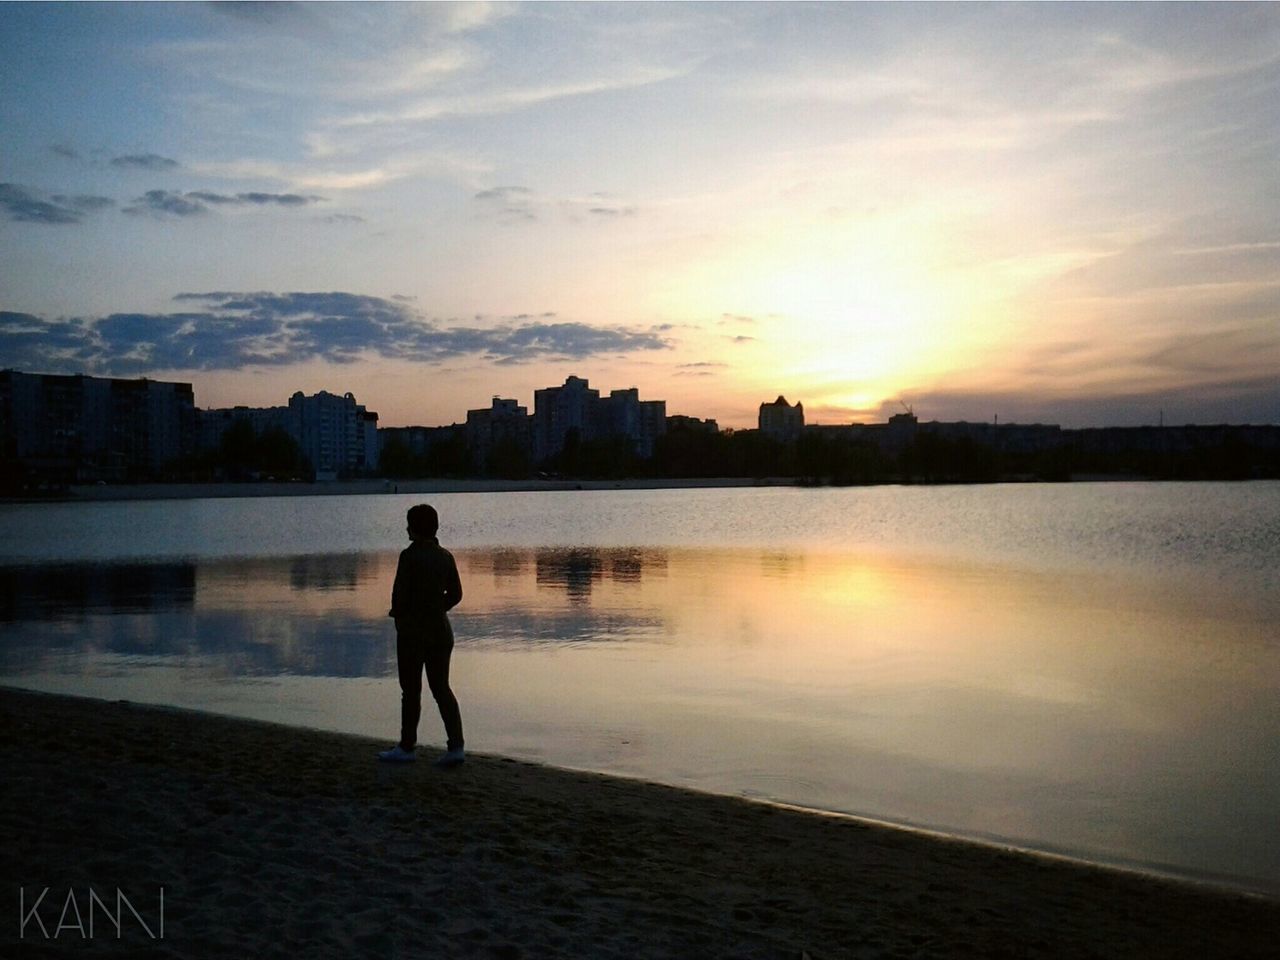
x: 1085, y: 669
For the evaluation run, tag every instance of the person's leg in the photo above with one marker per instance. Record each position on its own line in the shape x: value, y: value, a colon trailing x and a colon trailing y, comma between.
x: 439, y: 650
x: 409, y: 655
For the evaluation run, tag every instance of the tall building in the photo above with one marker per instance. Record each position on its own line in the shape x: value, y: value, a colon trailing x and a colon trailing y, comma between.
x: 653, y: 424
x: 77, y: 428
x: 781, y: 420
x: 505, y: 424
x: 557, y: 411
x: 338, y: 435
x: 640, y: 422
x: 575, y: 406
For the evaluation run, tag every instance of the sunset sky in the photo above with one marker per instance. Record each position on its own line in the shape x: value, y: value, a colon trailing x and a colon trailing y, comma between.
x: 1056, y: 213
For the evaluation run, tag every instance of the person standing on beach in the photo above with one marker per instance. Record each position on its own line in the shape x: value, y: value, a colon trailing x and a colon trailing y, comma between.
x: 426, y: 587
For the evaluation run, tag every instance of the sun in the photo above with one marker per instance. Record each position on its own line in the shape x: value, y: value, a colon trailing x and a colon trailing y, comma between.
x: 852, y: 313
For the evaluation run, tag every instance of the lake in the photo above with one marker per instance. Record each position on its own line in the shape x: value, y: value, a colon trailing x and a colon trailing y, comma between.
x: 1085, y: 669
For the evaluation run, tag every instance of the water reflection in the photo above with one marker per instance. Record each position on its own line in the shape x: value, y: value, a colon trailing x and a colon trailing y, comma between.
x: 341, y: 571
x: 58, y: 592
x: 577, y: 570
x: 316, y: 615
x: 574, y: 570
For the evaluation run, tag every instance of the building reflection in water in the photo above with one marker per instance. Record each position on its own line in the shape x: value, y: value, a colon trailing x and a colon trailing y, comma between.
x: 314, y: 615
x: 59, y: 592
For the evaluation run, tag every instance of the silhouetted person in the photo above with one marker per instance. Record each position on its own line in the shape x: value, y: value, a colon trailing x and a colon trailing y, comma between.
x: 426, y: 588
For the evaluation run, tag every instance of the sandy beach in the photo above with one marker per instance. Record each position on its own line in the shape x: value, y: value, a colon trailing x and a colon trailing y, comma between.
x: 273, y: 841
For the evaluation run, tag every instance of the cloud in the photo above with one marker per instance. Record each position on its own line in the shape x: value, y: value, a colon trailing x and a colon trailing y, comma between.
x: 29, y: 206
x: 144, y: 161
x: 517, y: 96
x: 196, y: 202
x: 37, y: 344
x: 1230, y: 400
x: 166, y: 203
x: 258, y: 11
x: 230, y: 331
x: 503, y: 194
x: 255, y: 199
x: 344, y: 218
x: 62, y: 150
x: 516, y: 203
x: 510, y: 204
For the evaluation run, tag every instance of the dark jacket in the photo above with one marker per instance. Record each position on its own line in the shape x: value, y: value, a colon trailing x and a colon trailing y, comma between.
x: 427, y: 583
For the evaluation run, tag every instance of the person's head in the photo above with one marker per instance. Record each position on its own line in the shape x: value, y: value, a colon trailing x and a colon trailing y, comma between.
x: 423, y: 521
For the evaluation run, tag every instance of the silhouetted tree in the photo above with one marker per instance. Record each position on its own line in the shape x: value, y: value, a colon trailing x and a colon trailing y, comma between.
x: 449, y: 458
x: 398, y: 461
x: 509, y: 460
x: 936, y: 459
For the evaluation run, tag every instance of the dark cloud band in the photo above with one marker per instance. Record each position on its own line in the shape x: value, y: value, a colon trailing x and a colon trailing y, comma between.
x: 30, y: 206
x: 144, y: 161
x: 231, y: 331
x: 197, y: 202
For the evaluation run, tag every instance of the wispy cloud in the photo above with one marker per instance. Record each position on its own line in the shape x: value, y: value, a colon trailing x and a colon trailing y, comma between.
x: 351, y: 174
x: 510, y: 99
x: 700, y: 368
x: 1227, y: 400
x: 508, y: 204
x: 517, y: 204
x: 144, y: 161
x: 167, y: 203
x: 232, y: 331
x: 31, y: 206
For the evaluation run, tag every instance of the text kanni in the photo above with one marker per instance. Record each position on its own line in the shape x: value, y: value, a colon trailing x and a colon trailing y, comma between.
x: 35, y: 907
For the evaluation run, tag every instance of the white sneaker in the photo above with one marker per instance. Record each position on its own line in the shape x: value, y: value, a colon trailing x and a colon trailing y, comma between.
x: 397, y: 754
x: 452, y: 758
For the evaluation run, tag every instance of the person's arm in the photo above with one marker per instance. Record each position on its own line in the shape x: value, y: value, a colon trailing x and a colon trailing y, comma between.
x: 452, y: 585
x: 397, y: 595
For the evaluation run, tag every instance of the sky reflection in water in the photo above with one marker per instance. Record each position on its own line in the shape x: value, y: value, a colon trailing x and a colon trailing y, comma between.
x: 1120, y: 719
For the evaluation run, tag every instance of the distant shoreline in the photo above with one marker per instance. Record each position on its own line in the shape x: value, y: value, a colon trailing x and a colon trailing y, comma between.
x: 198, y: 491
x: 222, y: 490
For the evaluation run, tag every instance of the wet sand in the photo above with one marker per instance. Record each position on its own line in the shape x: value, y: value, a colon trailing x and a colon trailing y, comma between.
x: 272, y: 841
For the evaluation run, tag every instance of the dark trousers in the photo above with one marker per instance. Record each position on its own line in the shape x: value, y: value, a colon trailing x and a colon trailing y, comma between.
x: 426, y: 646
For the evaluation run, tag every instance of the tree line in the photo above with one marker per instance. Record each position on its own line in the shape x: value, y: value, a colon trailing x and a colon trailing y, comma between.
x: 820, y: 458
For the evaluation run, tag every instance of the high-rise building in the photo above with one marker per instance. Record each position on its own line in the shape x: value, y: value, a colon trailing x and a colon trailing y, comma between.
x: 504, y: 425
x: 559, y: 410
x: 574, y: 406
x: 77, y: 428
x: 653, y: 424
x: 338, y: 435
x: 780, y: 420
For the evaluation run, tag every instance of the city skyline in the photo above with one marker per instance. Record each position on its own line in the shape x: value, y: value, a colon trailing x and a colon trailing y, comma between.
x: 1043, y: 213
